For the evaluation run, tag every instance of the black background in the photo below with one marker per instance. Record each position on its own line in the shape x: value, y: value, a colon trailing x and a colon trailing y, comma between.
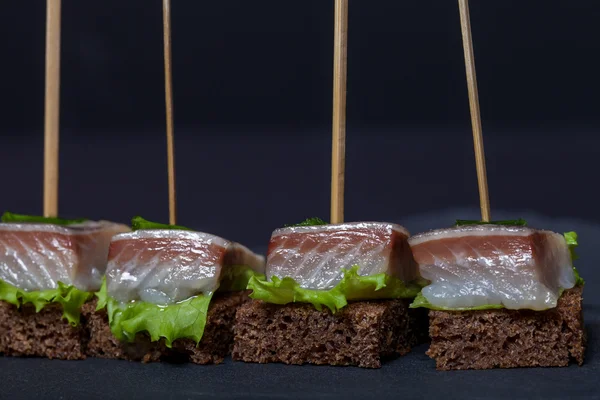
x: 252, y: 84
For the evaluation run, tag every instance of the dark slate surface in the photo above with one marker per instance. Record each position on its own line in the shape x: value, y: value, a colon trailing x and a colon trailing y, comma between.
x: 413, y: 376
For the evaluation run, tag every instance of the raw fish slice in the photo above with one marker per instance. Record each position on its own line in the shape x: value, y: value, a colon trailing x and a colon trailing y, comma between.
x: 477, y: 265
x: 167, y: 266
x: 93, y: 240
x: 37, y: 256
x: 314, y: 256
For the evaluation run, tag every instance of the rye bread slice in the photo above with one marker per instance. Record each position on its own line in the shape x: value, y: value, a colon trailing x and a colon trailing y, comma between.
x: 361, y: 334
x: 25, y: 333
x: 509, y: 338
x: 216, y: 342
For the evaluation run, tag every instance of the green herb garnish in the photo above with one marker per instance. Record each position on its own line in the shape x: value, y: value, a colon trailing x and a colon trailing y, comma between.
x: 308, y: 222
x: 138, y: 223
x: 16, y: 218
x: 510, y: 222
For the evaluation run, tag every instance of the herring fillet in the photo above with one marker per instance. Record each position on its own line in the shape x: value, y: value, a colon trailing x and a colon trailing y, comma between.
x: 314, y: 256
x: 38, y: 256
x: 478, y: 265
x: 166, y: 266
x: 93, y: 240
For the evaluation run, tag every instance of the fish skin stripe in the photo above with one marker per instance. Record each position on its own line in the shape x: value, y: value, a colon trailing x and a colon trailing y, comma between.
x: 337, y: 227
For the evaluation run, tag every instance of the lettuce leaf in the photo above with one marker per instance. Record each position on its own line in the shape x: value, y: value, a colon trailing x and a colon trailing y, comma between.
x: 138, y: 223
x: 102, y: 296
x: 287, y: 290
x: 185, y: 319
x: 15, y: 218
x: 351, y: 287
x: 571, y: 238
x: 69, y: 297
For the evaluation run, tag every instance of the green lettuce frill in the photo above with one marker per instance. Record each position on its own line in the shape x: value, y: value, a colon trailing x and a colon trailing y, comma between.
x: 352, y: 287
x: 69, y: 297
x: 185, y: 319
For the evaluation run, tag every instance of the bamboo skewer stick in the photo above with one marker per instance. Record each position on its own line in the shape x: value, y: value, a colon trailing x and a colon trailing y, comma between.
x: 465, y: 24
x: 52, y: 108
x: 169, y: 110
x: 338, y: 157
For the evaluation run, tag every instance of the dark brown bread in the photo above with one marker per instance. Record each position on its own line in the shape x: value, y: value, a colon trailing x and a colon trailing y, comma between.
x: 25, y: 333
x: 362, y: 333
x: 216, y: 342
x: 509, y: 338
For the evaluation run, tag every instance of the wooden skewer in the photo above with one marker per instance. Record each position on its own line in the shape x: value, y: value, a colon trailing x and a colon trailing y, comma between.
x: 52, y: 108
x: 169, y: 110
x: 465, y: 24
x: 338, y: 157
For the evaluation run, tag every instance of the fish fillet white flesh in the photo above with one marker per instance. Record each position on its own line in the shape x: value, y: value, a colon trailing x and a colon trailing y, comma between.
x: 314, y: 256
x: 166, y: 266
x: 37, y: 256
x: 478, y: 265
